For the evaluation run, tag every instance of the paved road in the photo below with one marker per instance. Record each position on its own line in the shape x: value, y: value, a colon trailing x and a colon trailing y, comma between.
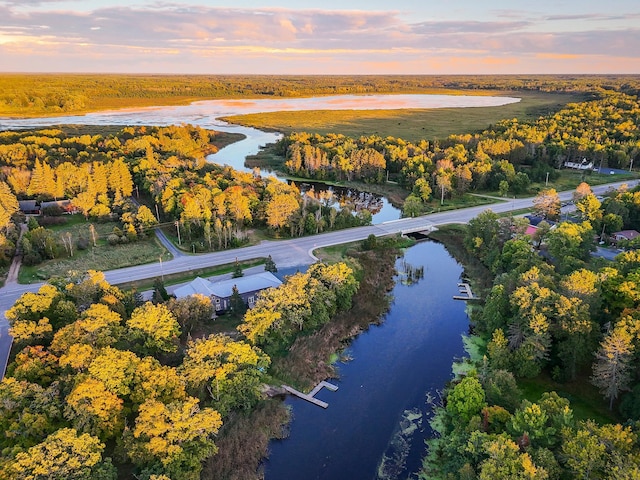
x: 285, y: 253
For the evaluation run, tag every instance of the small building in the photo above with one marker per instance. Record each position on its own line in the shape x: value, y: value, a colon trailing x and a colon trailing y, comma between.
x: 220, y: 292
x: 29, y: 207
x: 536, y: 221
x: 624, y: 235
x: 63, y: 206
x: 584, y: 165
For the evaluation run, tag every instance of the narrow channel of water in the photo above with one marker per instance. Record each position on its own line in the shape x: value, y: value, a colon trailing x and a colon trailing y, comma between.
x: 381, y: 408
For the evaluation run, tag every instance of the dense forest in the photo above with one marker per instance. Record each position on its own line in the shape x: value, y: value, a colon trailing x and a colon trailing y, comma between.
x: 506, y: 158
x: 102, y: 380
x: 210, y: 205
x: 553, y: 311
x: 40, y: 94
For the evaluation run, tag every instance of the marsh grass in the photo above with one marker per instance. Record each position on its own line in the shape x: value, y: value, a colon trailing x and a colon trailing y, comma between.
x: 410, y: 124
x: 243, y: 442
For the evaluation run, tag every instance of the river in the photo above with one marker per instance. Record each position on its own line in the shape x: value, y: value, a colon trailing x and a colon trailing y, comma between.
x: 380, y: 407
x: 207, y: 114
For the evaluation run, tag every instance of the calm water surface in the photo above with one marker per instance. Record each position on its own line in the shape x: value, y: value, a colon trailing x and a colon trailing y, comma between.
x: 393, y: 368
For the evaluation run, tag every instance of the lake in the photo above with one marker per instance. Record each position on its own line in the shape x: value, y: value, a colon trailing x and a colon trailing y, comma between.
x: 380, y: 407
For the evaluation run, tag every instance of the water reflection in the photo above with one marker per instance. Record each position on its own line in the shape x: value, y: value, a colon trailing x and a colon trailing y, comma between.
x: 350, y: 198
x: 377, y: 421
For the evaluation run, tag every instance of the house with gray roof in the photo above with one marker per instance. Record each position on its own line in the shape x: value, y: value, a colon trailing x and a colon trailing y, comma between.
x: 624, y: 235
x: 220, y: 292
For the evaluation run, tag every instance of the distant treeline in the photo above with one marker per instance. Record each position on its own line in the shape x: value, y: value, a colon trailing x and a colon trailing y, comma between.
x: 32, y: 94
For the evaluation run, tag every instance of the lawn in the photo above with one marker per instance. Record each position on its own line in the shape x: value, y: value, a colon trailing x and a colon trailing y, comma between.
x: 409, y: 124
x: 586, y: 402
x: 101, y: 257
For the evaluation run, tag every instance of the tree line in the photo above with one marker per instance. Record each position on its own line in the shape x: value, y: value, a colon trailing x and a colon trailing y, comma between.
x: 39, y: 94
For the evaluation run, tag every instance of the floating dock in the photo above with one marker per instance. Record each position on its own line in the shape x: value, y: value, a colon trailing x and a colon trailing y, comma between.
x: 467, y: 294
x: 310, y: 397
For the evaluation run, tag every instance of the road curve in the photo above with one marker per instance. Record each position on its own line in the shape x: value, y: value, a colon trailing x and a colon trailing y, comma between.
x: 285, y: 253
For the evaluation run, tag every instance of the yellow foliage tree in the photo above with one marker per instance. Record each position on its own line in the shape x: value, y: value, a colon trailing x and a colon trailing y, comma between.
x: 177, y: 437
x: 157, y: 326
x: 232, y: 371
x: 64, y: 455
x: 95, y: 410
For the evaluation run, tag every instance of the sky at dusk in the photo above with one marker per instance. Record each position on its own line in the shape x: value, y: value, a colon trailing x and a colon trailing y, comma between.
x: 321, y: 37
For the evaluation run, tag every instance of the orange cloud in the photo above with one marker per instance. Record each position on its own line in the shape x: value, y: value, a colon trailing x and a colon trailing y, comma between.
x: 559, y: 56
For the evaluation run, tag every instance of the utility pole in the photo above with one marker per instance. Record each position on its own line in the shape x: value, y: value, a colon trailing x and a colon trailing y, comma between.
x: 178, y: 230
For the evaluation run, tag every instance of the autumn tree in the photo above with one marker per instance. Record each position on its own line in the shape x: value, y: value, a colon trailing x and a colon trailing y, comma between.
x: 8, y: 205
x: 621, y: 442
x: 31, y: 310
x: 145, y: 219
x: 547, y: 204
x: 505, y: 462
x: 97, y: 326
x: 443, y: 179
x: 612, y: 368
x: 230, y: 371
x: 191, y: 310
x: 589, y: 208
x: 115, y: 369
x: 279, y: 210
x: 63, y: 455
x: 570, y: 244
x: 151, y: 380
x: 93, y: 409
x: 156, y: 326
x: 174, y: 437
x: 28, y: 412
x: 581, y: 191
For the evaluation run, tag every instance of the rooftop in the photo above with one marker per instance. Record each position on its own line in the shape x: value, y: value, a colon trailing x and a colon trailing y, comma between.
x: 224, y: 288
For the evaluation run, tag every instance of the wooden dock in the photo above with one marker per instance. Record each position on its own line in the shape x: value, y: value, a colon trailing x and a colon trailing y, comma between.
x: 465, y: 290
x: 310, y: 397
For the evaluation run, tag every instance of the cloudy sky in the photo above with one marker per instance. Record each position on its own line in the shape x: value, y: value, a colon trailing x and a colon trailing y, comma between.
x: 321, y: 37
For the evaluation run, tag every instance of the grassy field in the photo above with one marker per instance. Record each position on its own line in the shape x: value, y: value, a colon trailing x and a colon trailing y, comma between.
x: 101, y: 257
x: 411, y: 125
